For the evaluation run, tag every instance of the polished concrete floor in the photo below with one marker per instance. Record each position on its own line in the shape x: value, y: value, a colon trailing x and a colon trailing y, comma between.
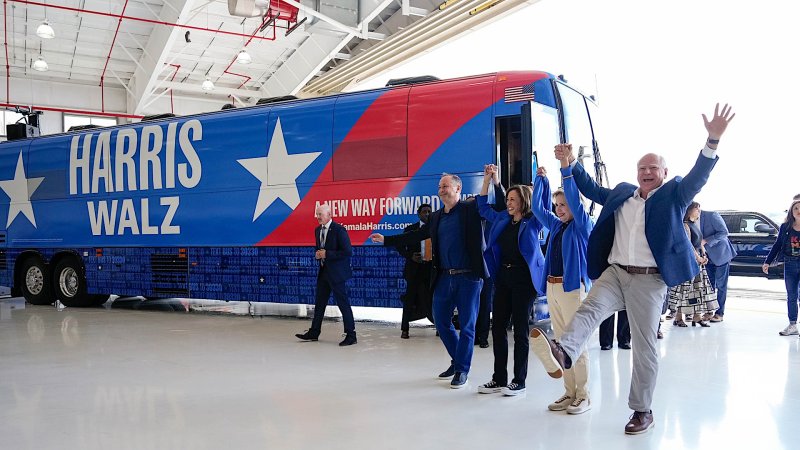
x: 128, y: 377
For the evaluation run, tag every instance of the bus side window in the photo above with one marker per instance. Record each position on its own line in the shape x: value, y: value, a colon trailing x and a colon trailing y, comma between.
x: 576, y: 123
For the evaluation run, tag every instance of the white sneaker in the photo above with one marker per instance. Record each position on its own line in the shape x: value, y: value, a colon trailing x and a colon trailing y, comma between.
x: 789, y: 331
x: 579, y: 406
x: 561, y: 404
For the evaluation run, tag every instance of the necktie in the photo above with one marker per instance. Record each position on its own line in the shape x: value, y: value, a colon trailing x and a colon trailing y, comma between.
x: 322, y: 234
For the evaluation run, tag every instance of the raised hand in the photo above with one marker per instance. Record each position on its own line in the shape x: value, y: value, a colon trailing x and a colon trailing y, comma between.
x: 490, y: 172
x: 563, y: 153
x: 717, y: 125
x: 541, y: 171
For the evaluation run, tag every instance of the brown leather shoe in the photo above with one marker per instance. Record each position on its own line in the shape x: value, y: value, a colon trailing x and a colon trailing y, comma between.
x: 551, y: 354
x: 716, y: 318
x: 641, y: 422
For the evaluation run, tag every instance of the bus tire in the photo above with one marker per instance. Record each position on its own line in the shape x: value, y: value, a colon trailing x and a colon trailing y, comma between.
x: 69, y: 284
x: 35, y: 283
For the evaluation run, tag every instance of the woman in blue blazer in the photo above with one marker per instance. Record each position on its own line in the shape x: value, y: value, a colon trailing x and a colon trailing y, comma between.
x: 787, y: 249
x: 514, y: 259
x: 565, y: 266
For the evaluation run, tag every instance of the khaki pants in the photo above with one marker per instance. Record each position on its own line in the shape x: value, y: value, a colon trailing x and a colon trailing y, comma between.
x: 562, y: 306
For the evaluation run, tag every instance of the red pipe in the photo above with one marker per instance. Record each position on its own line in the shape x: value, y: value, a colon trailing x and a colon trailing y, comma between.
x: 103, y: 75
x: 75, y: 111
x: 139, y: 19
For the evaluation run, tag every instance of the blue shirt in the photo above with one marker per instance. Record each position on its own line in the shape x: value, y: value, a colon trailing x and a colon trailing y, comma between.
x: 452, y: 248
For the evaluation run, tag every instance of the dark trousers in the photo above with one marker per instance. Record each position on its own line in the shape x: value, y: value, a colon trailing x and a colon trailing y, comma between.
x: 623, y: 330
x: 483, y: 322
x: 324, y: 289
x: 513, y: 299
x: 417, y: 301
x: 718, y: 275
x: 460, y: 291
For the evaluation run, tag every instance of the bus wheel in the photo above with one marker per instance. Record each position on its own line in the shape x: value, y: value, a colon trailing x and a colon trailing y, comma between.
x: 35, y: 285
x: 70, y: 285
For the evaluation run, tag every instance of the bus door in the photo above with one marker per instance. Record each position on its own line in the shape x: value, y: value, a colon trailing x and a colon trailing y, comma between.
x: 521, y: 138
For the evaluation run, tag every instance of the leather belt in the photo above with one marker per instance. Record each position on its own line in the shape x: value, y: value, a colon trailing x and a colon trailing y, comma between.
x: 456, y: 271
x: 639, y: 270
x: 555, y: 280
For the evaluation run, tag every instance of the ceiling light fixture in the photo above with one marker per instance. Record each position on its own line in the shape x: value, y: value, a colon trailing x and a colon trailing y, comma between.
x: 40, y: 65
x: 45, y: 31
x: 208, y: 85
x: 243, y: 57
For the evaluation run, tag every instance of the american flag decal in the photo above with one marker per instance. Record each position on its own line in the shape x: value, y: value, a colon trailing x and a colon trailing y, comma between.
x: 519, y: 93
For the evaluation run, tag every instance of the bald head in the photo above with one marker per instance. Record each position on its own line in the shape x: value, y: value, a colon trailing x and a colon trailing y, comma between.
x: 323, y: 213
x: 651, y: 173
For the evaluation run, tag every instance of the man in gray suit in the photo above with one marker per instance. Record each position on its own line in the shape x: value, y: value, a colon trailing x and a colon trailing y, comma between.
x: 720, y: 253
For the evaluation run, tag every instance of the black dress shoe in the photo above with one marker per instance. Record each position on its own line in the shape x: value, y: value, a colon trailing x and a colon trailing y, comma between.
x: 349, y: 339
x: 310, y: 335
x: 605, y: 347
x: 624, y: 345
x: 482, y: 342
x: 404, y: 334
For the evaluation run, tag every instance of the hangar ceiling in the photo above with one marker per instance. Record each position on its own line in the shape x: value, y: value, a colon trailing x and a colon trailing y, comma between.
x: 153, y: 48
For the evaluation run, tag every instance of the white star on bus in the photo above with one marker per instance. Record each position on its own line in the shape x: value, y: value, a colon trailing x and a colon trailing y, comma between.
x: 278, y: 173
x: 19, y: 191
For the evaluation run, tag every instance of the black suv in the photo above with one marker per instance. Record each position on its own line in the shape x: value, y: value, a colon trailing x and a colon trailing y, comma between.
x: 752, y: 234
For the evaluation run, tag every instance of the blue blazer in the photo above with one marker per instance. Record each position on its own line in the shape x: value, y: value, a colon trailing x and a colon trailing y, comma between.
x: 471, y: 226
x: 663, y: 213
x: 575, y: 239
x: 338, y: 251
x: 776, y: 253
x: 718, y: 247
x: 528, y: 243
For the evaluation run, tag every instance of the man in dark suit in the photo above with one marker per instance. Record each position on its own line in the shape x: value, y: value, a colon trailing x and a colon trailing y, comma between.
x: 720, y: 252
x: 637, y: 249
x: 456, y: 235
x: 333, y: 255
x: 417, y: 273
x: 623, y: 332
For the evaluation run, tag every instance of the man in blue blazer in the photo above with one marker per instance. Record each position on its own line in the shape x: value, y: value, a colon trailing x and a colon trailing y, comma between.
x: 637, y: 249
x: 333, y: 252
x: 720, y: 253
x: 456, y: 234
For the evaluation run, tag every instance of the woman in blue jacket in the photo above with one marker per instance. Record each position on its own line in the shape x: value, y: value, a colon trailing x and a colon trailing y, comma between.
x: 565, y: 267
x: 787, y: 249
x: 514, y: 259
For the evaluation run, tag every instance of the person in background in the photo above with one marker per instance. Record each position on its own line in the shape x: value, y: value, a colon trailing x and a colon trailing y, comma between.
x: 787, y: 249
x: 417, y: 273
x: 695, y: 297
x: 565, y: 265
x: 456, y: 235
x: 623, y: 332
x: 515, y: 261
x: 720, y: 252
x: 635, y: 252
x: 333, y: 254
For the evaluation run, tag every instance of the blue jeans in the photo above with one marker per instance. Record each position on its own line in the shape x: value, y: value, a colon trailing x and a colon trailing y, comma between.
x: 791, y: 276
x: 460, y: 291
x: 718, y: 275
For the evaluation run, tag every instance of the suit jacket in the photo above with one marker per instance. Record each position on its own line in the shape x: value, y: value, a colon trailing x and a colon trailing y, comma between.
x: 338, y: 251
x: 471, y: 226
x: 718, y: 247
x: 664, y: 212
x: 528, y: 238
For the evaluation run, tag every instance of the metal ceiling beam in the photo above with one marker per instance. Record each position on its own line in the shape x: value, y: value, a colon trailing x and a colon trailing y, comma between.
x: 422, y: 36
x: 312, y: 56
x: 161, y: 41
